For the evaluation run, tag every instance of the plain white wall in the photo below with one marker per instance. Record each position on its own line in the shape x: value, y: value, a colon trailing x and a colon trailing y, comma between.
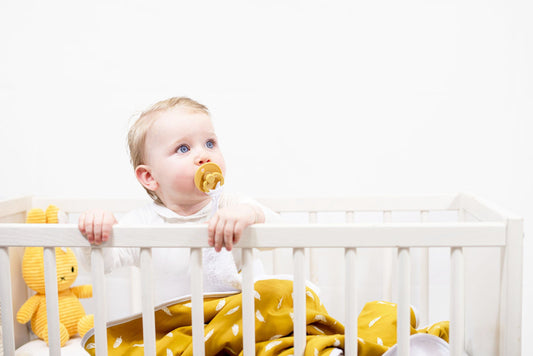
x: 308, y: 97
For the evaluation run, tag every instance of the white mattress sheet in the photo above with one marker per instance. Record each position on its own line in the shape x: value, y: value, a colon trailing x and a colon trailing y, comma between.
x: 39, y: 348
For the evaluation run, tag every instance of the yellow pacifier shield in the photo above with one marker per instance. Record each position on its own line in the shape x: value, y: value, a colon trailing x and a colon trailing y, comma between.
x: 207, y: 176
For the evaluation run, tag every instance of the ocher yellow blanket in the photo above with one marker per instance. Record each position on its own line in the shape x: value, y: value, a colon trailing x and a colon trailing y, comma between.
x: 273, y: 327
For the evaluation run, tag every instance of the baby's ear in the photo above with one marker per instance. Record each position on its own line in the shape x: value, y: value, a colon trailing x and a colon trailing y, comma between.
x: 145, y: 177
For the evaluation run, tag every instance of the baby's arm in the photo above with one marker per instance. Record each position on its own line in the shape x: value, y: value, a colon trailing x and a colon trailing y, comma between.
x: 226, y: 226
x: 96, y: 225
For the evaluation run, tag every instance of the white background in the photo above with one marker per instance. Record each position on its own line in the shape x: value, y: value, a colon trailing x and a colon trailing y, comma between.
x: 308, y: 97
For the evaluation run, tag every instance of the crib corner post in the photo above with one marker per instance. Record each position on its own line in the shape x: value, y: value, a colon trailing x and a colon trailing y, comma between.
x: 6, y: 300
x: 511, y: 316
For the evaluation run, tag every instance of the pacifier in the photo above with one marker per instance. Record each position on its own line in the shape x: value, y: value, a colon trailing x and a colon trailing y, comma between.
x: 208, y: 177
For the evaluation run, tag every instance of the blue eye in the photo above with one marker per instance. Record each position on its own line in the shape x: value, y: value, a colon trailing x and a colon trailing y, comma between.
x: 183, y: 149
x: 210, y: 144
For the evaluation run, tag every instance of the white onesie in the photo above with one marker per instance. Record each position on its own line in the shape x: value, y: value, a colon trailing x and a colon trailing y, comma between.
x: 171, y: 265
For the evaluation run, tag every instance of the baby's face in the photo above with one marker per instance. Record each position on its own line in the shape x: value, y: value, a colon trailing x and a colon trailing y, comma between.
x: 178, y: 142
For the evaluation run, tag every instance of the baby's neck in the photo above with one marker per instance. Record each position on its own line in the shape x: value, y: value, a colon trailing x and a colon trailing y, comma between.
x: 186, y: 209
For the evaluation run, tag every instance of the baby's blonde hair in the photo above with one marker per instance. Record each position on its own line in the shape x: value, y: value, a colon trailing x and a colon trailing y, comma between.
x: 141, y: 126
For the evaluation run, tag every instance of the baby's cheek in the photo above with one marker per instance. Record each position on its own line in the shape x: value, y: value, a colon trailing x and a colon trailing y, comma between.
x: 184, y: 182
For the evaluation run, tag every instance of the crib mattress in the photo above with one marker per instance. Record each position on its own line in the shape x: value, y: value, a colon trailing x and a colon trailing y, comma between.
x: 39, y: 348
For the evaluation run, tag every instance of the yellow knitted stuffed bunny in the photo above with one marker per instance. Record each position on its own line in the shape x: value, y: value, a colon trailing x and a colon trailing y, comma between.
x: 72, y: 317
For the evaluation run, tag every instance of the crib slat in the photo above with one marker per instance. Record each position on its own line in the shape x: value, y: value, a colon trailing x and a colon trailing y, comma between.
x: 457, y: 305
x: 313, y: 252
x: 248, y: 303
x: 350, y: 285
x: 389, y: 263
x: 99, y: 296
x: 424, y: 277
x: 148, y: 301
x: 135, y: 287
x: 299, y: 302
x: 198, y: 346
x: 52, y: 304
x: 404, y: 308
x: 6, y: 300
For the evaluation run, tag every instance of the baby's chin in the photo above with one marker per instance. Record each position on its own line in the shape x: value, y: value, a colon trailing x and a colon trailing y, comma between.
x: 194, y: 196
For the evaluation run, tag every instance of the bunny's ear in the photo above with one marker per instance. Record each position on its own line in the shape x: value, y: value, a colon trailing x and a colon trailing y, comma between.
x: 36, y: 216
x: 55, y: 216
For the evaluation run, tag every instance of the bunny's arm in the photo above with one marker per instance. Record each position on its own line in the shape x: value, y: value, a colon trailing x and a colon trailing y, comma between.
x: 85, y: 291
x: 28, y: 309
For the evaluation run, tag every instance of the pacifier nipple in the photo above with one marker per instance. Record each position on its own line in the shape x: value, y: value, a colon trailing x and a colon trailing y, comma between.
x: 208, y: 176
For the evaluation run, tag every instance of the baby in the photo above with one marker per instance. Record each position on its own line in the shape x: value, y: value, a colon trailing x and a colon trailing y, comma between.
x: 168, y: 143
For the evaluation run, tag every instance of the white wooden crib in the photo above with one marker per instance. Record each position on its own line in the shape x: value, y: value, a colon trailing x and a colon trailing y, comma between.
x: 470, y: 223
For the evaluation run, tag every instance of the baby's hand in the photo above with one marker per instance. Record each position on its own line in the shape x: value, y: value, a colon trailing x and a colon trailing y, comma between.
x: 226, y: 226
x: 96, y: 225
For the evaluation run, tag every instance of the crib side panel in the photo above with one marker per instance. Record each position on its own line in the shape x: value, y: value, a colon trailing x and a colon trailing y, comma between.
x: 477, y: 210
x: 327, y: 256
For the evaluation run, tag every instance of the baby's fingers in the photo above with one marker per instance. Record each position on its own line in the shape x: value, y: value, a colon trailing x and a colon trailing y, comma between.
x: 219, y: 234
x: 229, y: 234
x: 237, y: 231
x: 88, y: 227
x: 211, y: 230
x: 81, y: 224
x: 97, y: 227
x: 108, y: 222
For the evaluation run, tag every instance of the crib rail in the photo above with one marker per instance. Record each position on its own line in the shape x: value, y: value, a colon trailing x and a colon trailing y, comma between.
x: 499, y: 231
x: 272, y: 235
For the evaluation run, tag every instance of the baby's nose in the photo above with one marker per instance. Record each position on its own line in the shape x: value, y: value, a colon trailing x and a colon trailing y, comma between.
x: 201, y: 161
